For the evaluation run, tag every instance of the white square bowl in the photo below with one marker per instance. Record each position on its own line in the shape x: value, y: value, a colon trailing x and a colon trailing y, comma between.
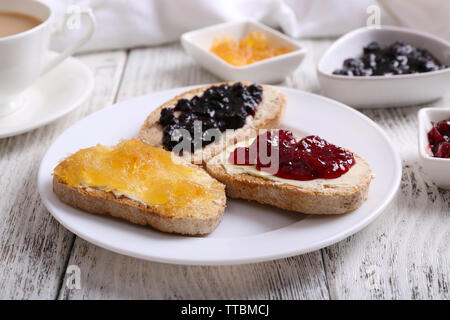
x: 383, y: 91
x: 197, y: 44
x: 437, y: 169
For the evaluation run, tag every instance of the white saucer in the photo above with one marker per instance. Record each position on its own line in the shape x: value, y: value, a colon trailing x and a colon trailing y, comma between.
x: 249, y: 232
x: 51, y: 97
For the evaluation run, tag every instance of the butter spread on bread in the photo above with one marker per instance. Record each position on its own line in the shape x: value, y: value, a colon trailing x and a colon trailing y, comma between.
x: 347, y: 180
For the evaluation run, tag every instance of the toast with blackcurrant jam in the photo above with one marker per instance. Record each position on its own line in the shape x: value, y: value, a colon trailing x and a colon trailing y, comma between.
x: 308, y: 175
x: 240, y: 106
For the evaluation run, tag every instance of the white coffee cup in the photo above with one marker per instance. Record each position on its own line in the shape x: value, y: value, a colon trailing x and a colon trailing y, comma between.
x: 23, y: 56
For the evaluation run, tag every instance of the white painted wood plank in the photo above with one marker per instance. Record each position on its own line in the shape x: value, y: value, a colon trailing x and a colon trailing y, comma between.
x: 305, y: 77
x: 34, y: 248
x: 108, y: 275
x: 160, y: 68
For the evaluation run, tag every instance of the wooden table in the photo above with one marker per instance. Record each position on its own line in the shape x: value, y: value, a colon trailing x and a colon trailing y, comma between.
x: 404, y: 254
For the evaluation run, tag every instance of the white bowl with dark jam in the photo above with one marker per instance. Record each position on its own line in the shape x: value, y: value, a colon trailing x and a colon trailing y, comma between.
x: 273, y: 69
x: 385, y: 67
x: 434, y: 141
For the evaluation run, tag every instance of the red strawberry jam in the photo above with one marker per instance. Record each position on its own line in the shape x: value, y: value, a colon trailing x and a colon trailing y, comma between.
x: 310, y: 158
x: 439, y: 139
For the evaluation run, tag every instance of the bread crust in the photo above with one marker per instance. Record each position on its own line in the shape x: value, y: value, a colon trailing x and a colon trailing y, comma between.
x: 151, y: 131
x: 106, y: 203
x: 289, y: 197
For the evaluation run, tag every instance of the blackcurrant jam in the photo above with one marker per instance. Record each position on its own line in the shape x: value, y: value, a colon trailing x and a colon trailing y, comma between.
x: 220, y: 107
x: 395, y: 59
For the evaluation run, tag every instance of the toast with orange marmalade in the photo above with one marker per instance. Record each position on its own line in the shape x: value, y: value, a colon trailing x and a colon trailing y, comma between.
x: 143, y: 185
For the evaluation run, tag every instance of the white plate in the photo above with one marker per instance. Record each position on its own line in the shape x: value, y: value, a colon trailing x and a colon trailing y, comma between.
x: 249, y: 232
x: 383, y: 91
x: 51, y: 97
x: 197, y: 44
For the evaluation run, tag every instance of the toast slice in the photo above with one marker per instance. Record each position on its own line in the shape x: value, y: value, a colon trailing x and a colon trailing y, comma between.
x: 200, y: 217
x: 319, y: 196
x: 267, y: 116
x: 106, y: 203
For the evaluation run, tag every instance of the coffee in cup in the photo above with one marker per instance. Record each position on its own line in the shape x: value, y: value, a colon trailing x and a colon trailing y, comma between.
x: 14, y: 22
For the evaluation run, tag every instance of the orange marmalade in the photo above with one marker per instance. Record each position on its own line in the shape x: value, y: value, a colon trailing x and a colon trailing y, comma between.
x: 140, y: 172
x: 254, y: 47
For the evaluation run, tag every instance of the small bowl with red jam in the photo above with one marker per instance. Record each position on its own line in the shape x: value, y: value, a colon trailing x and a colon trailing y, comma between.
x: 385, y: 67
x: 434, y: 144
x: 244, y: 50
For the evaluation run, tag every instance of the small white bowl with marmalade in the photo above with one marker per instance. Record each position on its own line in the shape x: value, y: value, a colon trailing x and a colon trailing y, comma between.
x: 244, y: 50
